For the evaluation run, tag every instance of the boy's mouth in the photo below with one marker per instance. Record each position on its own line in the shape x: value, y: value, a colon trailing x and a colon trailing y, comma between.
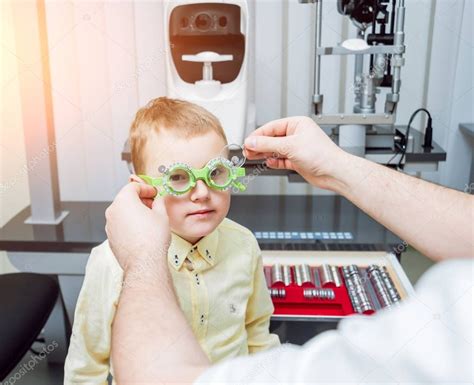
x: 201, y: 213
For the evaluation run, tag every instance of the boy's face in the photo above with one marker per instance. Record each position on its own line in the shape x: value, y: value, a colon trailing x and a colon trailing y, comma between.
x: 198, y: 212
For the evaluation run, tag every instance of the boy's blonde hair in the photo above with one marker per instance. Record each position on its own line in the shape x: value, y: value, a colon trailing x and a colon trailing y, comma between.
x: 184, y: 118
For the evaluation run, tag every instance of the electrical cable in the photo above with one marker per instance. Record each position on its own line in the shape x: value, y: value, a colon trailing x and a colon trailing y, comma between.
x: 407, y: 135
x: 392, y: 158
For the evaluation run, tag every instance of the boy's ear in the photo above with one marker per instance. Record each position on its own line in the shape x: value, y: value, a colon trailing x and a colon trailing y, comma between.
x: 135, y: 178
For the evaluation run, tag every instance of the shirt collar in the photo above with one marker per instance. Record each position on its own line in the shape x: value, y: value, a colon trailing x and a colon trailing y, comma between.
x: 206, y: 248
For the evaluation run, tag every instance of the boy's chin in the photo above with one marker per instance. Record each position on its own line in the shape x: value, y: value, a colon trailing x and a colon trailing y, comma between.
x: 199, y: 231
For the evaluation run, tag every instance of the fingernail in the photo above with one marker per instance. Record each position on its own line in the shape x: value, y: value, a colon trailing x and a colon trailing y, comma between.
x: 251, y: 142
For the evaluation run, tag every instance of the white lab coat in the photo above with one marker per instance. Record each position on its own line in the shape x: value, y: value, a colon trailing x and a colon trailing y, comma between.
x: 427, y: 339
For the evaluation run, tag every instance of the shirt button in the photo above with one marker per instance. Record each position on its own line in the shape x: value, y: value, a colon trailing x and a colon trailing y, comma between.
x: 202, y: 319
x: 197, y: 278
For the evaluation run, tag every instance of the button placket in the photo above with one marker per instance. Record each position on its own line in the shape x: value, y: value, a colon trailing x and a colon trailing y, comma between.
x: 200, y: 291
x: 201, y: 295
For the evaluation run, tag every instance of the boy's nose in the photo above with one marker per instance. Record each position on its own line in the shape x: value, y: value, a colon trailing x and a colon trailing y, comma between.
x: 200, y: 191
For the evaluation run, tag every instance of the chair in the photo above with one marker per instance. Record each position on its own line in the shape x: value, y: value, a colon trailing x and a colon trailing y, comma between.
x: 26, y: 301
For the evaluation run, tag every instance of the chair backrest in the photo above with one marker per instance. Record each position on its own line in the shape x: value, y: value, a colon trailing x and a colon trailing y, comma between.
x: 26, y: 301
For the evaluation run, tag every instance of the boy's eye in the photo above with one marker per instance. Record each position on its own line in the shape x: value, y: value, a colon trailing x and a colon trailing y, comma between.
x: 216, y: 172
x: 177, y: 178
x: 220, y: 175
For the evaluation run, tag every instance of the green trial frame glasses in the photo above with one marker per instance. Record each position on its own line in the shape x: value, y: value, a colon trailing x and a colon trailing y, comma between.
x: 179, y: 178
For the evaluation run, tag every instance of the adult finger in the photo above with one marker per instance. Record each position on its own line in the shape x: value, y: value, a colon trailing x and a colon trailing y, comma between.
x: 279, y: 146
x: 257, y: 155
x: 143, y: 190
x: 158, y: 206
x: 277, y: 127
x: 148, y: 202
x: 279, y: 164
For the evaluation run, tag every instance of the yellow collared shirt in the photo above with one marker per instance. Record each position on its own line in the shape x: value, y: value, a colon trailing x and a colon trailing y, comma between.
x: 220, y: 286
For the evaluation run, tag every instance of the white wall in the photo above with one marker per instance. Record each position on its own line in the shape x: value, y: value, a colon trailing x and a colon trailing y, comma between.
x: 450, y: 87
x: 14, y: 194
x: 107, y: 60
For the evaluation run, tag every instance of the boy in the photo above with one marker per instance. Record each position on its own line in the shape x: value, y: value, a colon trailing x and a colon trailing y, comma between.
x: 215, y: 263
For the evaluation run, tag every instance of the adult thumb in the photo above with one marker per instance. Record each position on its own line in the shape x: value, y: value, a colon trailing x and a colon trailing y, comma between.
x: 268, y: 144
x: 158, y: 206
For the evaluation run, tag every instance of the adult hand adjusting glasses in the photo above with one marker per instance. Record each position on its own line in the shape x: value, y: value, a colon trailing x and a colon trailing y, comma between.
x: 219, y: 173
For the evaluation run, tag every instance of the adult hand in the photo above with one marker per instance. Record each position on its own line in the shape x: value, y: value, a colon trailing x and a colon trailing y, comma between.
x: 137, y: 226
x: 151, y: 338
x: 299, y: 144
